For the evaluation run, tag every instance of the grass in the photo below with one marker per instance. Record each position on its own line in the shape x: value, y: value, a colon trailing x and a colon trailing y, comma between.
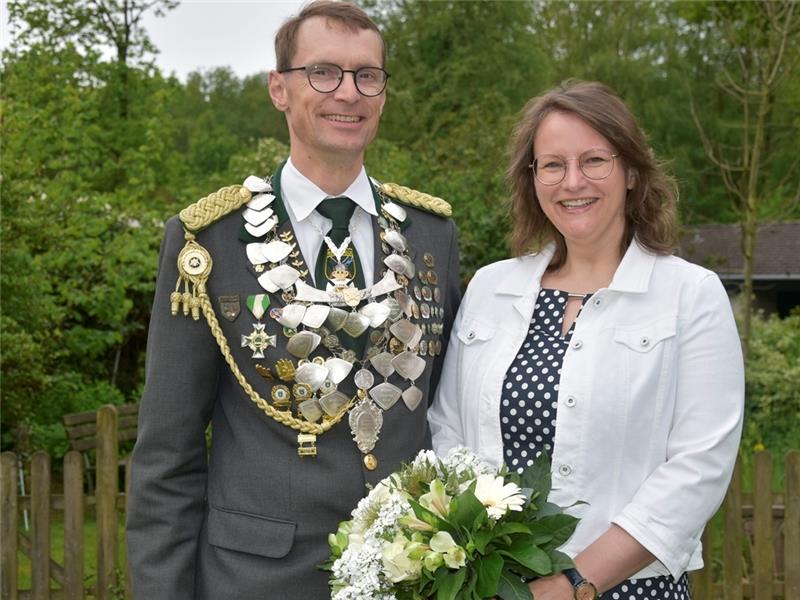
x: 57, y: 549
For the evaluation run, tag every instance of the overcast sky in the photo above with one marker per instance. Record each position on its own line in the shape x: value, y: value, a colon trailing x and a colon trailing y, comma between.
x: 202, y: 34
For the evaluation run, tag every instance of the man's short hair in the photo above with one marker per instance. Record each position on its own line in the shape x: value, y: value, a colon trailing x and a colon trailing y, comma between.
x: 346, y: 14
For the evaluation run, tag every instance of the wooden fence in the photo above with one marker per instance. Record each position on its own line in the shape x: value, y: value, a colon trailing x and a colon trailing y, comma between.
x: 108, y: 504
x: 760, y: 538
x: 760, y: 541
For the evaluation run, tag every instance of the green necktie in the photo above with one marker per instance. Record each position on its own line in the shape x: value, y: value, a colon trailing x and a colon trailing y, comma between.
x: 339, y: 211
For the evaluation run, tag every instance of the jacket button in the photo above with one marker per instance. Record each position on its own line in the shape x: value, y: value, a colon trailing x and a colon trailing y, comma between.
x: 565, y: 470
x: 471, y: 335
x: 577, y: 344
x: 570, y: 401
x: 644, y: 342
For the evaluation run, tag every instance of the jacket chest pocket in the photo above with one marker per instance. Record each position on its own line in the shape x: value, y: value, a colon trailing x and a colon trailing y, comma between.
x: 645, y: 356
x: 645, y: 338
x: 475, y: 335
x: 475, y: 329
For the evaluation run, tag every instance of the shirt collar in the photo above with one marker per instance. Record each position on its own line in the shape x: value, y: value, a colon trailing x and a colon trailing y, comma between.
x: 632, y: 275
x: 303, y: 195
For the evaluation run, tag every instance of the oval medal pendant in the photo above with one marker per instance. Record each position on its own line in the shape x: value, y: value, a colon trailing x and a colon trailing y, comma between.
x: 366, y: 421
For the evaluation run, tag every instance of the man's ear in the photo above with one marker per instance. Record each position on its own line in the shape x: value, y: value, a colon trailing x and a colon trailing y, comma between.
x: 277, y: 91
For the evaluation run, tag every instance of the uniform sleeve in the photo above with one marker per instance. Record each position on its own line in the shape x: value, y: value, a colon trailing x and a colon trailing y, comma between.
x: 452, y: 300
x: 169, y: 468
x: 668, y: 513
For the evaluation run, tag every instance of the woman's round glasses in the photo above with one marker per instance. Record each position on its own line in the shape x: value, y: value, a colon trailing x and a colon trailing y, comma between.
x: 325, y: 78
x: 596, y: 163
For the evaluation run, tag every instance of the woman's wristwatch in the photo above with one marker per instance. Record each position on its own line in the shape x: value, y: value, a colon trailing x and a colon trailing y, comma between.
x: 584, y: 589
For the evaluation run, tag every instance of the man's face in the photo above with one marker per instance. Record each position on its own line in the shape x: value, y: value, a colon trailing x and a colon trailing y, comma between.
x: 334, y: 126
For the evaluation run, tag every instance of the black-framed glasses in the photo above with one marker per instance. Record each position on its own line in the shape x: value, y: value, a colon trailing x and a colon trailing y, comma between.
x: 325, y: 78
x: 596, y: 163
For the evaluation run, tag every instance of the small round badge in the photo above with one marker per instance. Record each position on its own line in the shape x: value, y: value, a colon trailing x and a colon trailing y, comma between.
x: 364, y: 379
x: 194, y: 261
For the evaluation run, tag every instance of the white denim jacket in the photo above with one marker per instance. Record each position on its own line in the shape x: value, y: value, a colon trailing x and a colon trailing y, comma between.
x: 650, y: 401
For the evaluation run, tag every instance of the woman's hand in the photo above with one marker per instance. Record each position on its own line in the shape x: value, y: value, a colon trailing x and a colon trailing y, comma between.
x: 554, y: 587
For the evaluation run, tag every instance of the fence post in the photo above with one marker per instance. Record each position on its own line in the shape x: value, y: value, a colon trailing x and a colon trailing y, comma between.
x: 791, y: 524
x: 763, y: 556
x: 40, y: 526
x: 107, y: 489
x: 732, y: 536
x: 702, y: 581
x: 9, y: 517
x: 73, y: 525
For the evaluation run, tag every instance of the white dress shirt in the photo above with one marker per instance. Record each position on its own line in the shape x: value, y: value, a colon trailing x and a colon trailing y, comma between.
x: 301, y: 197
x: 650, y: 400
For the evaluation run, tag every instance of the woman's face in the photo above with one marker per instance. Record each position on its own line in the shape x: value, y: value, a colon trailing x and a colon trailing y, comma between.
x: 589, y: 213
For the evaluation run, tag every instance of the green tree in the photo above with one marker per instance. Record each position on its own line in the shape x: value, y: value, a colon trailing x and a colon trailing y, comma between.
x: 460, y: 72
x: 80, y: 232
x: 762, y: 56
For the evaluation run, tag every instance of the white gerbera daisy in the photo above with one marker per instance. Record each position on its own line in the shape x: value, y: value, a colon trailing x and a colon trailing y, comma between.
x: 498, y: 497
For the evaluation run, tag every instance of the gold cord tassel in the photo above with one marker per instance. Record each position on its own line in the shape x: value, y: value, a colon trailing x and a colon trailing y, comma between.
x: 194, y: 267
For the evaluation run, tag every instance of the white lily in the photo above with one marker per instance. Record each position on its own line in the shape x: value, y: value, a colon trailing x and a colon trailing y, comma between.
x: 436, y: 500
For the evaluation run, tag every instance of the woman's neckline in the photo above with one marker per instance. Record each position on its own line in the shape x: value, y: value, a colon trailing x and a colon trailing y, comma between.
x: 568, y: 294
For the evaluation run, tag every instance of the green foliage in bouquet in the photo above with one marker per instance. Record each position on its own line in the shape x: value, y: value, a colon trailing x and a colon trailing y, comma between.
x: 451, y: 529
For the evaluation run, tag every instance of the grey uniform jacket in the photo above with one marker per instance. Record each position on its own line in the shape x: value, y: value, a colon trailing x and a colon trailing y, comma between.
x: 248, y: 518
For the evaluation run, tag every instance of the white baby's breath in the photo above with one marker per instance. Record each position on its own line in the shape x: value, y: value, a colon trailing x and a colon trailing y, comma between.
x: 378, y: 555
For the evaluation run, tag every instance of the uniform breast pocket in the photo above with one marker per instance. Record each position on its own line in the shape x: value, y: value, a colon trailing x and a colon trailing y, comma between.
x: 645, y: 353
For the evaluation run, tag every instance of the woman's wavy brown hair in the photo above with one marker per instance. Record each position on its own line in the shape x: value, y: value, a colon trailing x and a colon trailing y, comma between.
x: 650, y: 207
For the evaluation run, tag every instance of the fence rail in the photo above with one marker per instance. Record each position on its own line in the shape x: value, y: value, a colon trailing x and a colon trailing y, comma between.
x: 67, y: 580
x: 759, y: 549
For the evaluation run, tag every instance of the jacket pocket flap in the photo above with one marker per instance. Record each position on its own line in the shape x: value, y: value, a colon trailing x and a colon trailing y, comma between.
x: 475, y: 329
x: 253, y: 534
x: 645, y: 337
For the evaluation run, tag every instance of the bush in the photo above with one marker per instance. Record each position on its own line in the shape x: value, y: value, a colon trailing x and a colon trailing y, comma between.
x: 772, y: 389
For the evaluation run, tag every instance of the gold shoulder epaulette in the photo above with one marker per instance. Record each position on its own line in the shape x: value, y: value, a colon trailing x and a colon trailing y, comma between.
x: 417, y: 199
x: 213, y: 207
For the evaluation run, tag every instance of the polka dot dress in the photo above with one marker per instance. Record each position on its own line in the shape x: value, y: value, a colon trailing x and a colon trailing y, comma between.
x: 652, y: 588
x: 528, y: 406
x: 530, y: 390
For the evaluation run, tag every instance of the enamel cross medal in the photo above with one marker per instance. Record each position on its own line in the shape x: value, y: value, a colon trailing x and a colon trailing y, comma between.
x: 258, y: 340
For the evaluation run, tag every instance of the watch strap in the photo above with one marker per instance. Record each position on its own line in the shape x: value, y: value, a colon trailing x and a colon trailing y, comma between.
x: 584, y: 589
x: 574, y: 576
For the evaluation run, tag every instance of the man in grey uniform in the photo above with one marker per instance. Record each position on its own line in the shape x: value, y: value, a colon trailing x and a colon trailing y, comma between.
x: 303, y: 316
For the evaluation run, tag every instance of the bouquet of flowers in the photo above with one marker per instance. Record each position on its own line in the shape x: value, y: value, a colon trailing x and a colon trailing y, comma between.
x: 449, y: 529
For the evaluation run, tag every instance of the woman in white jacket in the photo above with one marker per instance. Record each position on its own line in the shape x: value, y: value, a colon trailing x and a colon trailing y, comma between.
x: 596, y: 345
